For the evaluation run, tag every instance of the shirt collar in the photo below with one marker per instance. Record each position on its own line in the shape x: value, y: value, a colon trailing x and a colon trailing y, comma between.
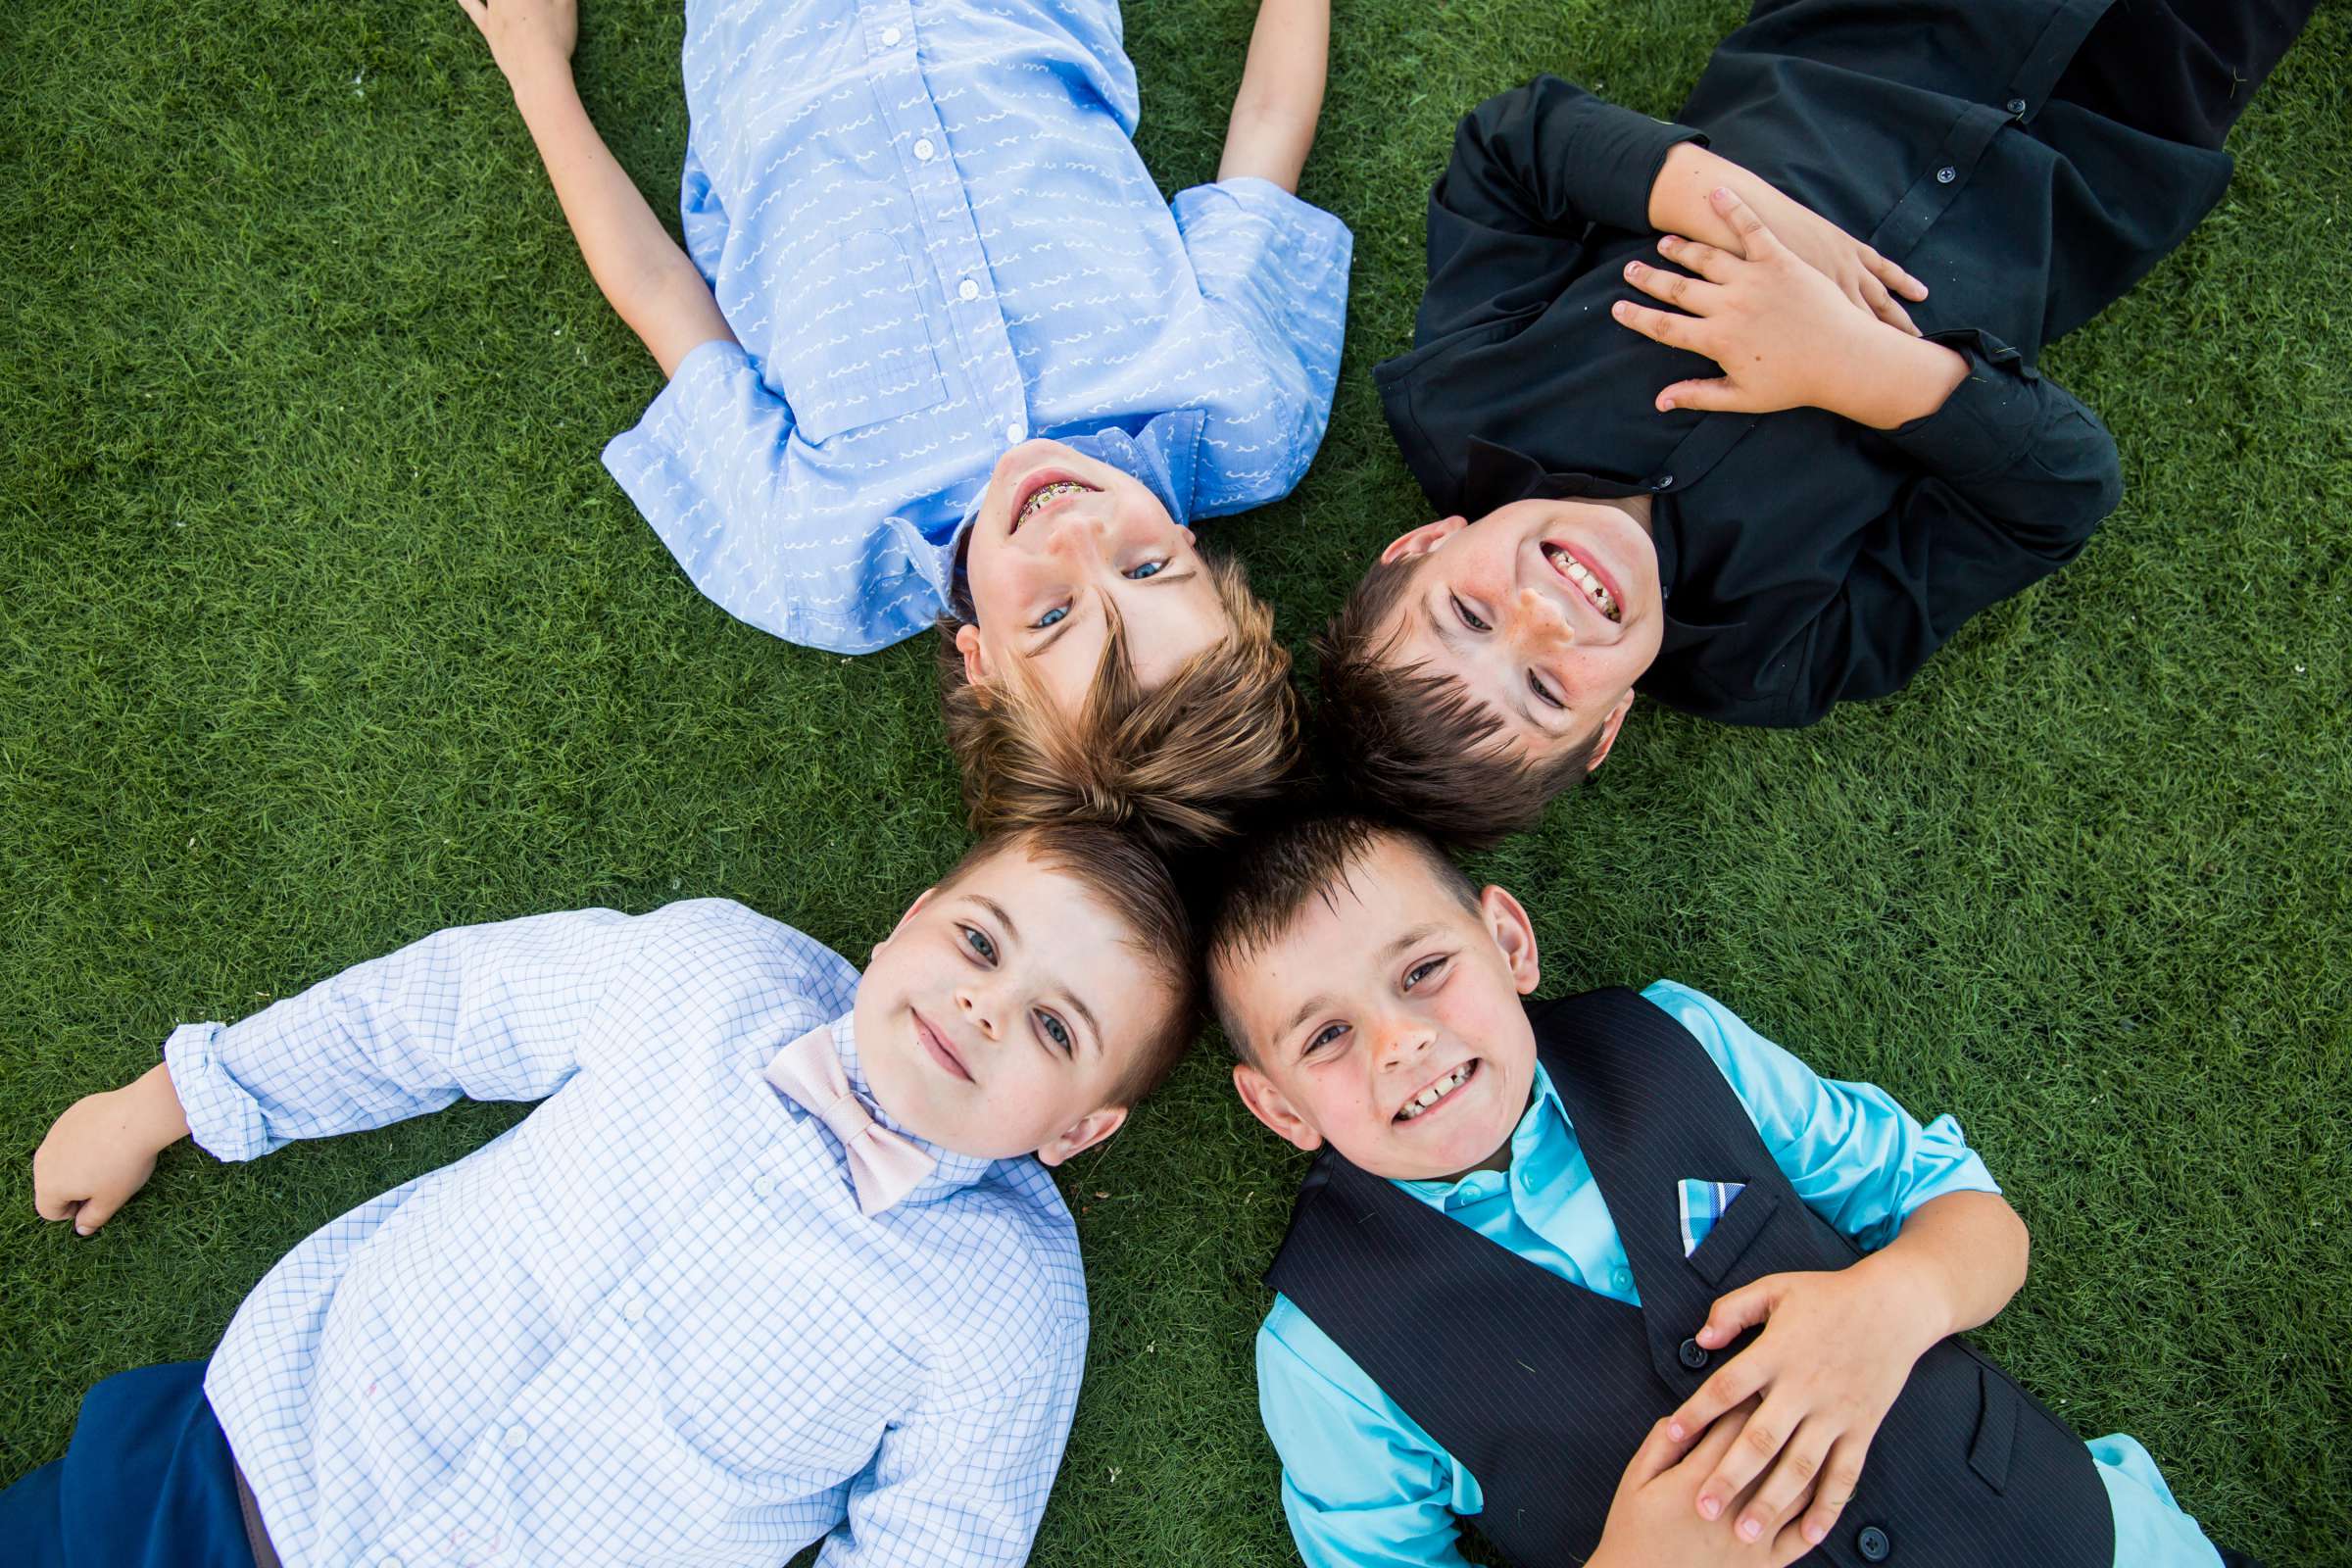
x: 1545, y: 1115
x: 953, y: 1173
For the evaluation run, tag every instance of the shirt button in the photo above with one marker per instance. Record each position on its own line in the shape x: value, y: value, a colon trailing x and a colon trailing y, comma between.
x: 891, y: 37
x: 1016, y: 432
x: 1873, y: 1545
x: 967, y: 290
x: 1944, y: 176
x: 1621, y: 1279
x: 923, y: 148
x: 1691, y: 1354
x: 1663, y: 483
x: 515, y: 1435
x: 633, y: 1309
x: 764, y: 1187
x: 2016, y: 106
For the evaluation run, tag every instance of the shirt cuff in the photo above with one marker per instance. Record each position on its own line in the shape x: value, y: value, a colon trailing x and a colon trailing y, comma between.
x: 1988, y: 422
x: 1624, y: 153
x: 226, y: 1121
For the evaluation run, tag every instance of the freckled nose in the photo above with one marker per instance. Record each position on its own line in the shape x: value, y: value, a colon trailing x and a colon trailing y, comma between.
x: 1540, y: 624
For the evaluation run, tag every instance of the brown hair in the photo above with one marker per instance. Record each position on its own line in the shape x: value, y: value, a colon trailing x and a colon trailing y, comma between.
x: 1415, y: 743
x: 1132, y: 884
x: 1274, y: 873
x: 1177, y: 765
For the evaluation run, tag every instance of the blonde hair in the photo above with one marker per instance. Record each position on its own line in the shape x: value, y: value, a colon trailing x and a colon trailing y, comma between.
x: 1178, y: 765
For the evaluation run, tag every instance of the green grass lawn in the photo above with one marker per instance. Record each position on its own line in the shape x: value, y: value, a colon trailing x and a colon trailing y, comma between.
x: 323, y: 628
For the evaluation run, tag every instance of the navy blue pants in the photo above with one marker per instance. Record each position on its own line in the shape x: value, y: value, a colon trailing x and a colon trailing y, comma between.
x: 146, y: 1482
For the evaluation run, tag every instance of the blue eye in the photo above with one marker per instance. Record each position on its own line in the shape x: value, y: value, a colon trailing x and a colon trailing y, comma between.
x: 1150, y: 568
x: 1468, y: 619
x: 977, y: 940
x: 1422, y: 972
x: 1051, y: 617
x: 1326, y: 1035
x: 1056, y: 1031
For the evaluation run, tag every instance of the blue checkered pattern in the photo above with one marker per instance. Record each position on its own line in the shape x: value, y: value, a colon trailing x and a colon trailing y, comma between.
x: 648, y: 1324
x: 1702, y: 1205
x: 934, y: 239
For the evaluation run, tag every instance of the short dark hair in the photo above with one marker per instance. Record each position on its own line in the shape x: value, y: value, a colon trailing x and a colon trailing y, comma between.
x: 1179, y: 764
x: 1275, y: 873
x: 1414, y: 743
x: 1134, y: 884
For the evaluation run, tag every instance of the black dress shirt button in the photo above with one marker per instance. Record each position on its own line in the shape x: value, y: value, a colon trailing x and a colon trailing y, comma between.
x: 1664, y: 481
x: 1873, y: 1545
x: 1694, y: 1355
x: 1946, y: 175
x: 2016, y: 106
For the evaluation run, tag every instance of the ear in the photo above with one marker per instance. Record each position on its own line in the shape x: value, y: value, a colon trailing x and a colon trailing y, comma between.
x: 1609, y: 727
x: 920, y: 899
x: 1514, y: 936
x: 1422, y: 540
x: 976, y: 655
x: 1272, y: 1106
x: 1083, y: 1133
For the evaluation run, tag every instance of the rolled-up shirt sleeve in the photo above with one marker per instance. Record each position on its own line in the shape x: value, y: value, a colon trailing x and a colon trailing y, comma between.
x: 1275, y: 269
x: 1855, y: 1157
x: 715, y: 467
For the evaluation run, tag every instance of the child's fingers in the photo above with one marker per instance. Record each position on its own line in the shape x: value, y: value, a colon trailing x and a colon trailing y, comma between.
x: 1741, y: 1309
x: 97, y: 1211
x: 478, y: 10
x: 1789, y: 1483
x: 1716, y: 267
x: 1660, y: 1452
x: 1756, y: 241
x: 1659, y: 326
x: 1675, y: 288
x: 1713, y: 395
x: 1882, y: 304
x: 1733, y: 1384
x: 1894, y: 276
x: 53, y: 1202
x: 1839, y: 1479
x: 1762, y: 1437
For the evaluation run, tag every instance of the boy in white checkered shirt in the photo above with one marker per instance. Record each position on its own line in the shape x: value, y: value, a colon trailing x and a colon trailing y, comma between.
x: 771, y: 1262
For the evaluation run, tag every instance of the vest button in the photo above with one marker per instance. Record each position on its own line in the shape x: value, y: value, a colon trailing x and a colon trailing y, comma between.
x: 1873, y: 1545
x: 1694, y: 1355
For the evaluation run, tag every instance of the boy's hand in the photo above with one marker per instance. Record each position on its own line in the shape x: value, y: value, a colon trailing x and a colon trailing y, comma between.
x: 1783, y: 333
x: 1836, y: 1350
x: 1861, y: 274
x: 1652, y: 1521
x: 527, y: 38
x: 103, y: 1150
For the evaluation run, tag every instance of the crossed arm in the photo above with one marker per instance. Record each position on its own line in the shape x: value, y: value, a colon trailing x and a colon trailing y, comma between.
x: 649, y: 279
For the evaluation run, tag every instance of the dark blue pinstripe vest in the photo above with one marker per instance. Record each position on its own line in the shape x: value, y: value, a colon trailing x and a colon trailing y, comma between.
x: 1542, y: 1389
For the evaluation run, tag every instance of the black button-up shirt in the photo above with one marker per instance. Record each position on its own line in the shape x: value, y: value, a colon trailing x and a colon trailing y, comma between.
x: 1807, y: 560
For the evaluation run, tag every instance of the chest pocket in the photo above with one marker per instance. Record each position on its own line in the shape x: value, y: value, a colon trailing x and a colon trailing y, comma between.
x: 856, y: 343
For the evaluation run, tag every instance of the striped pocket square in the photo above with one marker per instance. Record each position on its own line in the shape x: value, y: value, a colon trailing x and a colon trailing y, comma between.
x: 1703, y: 1203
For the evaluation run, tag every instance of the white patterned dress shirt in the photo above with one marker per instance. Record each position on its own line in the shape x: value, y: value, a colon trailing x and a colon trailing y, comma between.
x: 647, y: 1325
x: 929, y: 231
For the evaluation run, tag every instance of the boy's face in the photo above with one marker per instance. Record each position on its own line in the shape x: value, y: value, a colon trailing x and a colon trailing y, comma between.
x: 1060, y: 539
x: 1001, y: 1015
x: 1386, y: 993
x: 1546, y: 610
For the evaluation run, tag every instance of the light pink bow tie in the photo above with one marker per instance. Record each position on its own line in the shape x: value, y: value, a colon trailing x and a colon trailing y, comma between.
x: 884, y: 1167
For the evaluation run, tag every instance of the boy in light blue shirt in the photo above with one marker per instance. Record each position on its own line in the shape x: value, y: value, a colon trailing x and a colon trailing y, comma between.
x: 940, y: 352
x: 1482, y: 1238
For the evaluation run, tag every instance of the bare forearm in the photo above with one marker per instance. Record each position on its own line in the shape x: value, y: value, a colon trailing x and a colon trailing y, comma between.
x: 647, y: 278
x: 1281, y: 98
x: 1958, y: 1261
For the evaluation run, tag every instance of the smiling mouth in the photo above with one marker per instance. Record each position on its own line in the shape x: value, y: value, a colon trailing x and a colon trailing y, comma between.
x: 1595, y: 592
x: 1044, y: 496
x: 1438, y: 1093
x: 942, y: 1055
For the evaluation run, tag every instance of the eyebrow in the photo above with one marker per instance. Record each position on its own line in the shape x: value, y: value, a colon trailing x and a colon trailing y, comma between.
x: 1452, y: 639
x: 1093, y: 1030
x: 998, y: 910
x: 1321, y: 1000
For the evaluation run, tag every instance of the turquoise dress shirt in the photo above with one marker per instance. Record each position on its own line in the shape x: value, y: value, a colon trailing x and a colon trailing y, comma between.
x: 1365, y: 1486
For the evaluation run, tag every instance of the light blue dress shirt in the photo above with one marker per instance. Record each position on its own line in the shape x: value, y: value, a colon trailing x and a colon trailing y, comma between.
x: 930, y: 233
x: 1365, y: 1486
x: 648, y: 1324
